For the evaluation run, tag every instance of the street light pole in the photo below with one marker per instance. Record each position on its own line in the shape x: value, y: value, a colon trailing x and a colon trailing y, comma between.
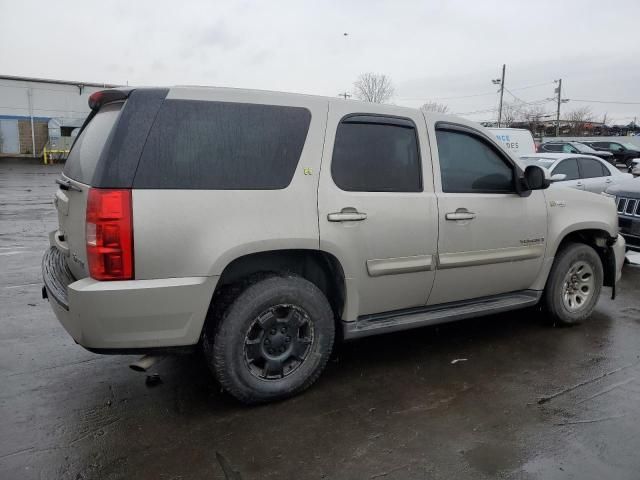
x: 501, y: 95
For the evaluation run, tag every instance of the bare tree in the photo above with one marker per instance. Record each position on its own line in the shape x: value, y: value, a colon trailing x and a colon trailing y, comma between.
x: 578, y: 118
x: 532, y: 114
x: 373, y: 87
x: 434, y: 107
x: 510, y: 114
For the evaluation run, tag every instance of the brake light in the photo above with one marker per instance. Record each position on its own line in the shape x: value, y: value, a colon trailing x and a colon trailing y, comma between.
x: 97, y: 99
x: 109, y: 234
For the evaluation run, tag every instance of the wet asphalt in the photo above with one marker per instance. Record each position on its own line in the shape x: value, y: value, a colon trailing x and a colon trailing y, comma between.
x: 524, y: 400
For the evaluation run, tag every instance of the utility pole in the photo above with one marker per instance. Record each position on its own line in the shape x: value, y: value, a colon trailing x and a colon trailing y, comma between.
x: 559, y: 91
x: 345, y: 95
x: 500, y: 81
x: 501, y: 95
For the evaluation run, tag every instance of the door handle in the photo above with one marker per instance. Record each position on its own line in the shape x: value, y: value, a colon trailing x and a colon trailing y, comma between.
x: 579, y: 184
x: 460, y: 214
x: 608, y: 180
x: 347, y: 214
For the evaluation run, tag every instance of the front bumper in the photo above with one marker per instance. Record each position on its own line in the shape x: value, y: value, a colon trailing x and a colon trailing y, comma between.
x: 619, y: 250
x: 132, y: 314
x: 630, y: 230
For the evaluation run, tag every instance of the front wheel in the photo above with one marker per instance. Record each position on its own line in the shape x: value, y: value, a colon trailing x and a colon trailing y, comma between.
x: 574, y: 284
x: 273, y: 340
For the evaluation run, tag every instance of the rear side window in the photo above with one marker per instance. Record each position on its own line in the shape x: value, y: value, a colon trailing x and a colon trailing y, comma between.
x: 469, y: 165
x: 83, y: 158
x: 592, y: 168
x: 569, y: 168
x: 374, y: 156
x: 223, y: 146
x: 552, y: 147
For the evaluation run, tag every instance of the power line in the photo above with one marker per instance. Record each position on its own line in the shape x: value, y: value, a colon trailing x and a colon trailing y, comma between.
x: 447, y: 98
x: 616, y: 102
x: 526, y: 87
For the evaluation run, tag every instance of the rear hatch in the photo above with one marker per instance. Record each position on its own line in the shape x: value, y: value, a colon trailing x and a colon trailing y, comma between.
x: 71, y: 198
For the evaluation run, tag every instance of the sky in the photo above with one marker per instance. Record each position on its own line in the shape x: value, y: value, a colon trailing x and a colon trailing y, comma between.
x: 446, y: 51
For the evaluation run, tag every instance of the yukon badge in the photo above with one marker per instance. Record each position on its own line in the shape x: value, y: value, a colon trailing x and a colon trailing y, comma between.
x: 529, y: 242
x: 558, y: 203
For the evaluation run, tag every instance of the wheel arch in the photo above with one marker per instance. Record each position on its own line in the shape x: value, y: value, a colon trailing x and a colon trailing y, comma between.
x: 319, y: 267
x: 598, y: 239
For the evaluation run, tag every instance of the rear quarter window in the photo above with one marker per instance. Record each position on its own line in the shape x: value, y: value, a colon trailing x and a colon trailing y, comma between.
x: 83, y: 158
x: 222, y: 145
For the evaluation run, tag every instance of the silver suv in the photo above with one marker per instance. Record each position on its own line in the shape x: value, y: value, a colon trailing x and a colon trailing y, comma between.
x: 262, y: 226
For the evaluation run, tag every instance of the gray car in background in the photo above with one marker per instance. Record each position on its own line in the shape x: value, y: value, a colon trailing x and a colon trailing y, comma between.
x: 575, y: 147
x: 577, y: 171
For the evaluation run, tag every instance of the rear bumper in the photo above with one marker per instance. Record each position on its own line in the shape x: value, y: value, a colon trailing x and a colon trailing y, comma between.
x: 133, y: 314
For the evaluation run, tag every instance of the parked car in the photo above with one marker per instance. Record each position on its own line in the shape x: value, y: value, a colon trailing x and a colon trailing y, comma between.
x: 624, y: 152
x: 261, y: 226
x: 575, y: 147
x: 627, y: 196
x: 517, y: 141
x: 634, y: 168
x: 577, y: 171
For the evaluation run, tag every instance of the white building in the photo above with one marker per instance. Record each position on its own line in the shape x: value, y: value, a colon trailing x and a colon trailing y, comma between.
x: 35, y: 111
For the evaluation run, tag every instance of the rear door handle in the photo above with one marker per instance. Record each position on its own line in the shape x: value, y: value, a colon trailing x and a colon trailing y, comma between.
x: 580, y: 184
x: 460, y: 214
x: 347, y: 214
x: 608, y: 180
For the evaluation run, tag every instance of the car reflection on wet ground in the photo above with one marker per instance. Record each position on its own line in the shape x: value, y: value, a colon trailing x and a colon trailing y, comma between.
x: 501, y: 396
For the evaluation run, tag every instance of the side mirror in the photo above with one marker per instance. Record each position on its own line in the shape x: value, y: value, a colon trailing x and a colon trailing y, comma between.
x: 536, y: 178
x: 558, y: 177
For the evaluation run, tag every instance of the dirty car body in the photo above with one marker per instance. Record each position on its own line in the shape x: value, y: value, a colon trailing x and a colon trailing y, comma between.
x: 260, y: 226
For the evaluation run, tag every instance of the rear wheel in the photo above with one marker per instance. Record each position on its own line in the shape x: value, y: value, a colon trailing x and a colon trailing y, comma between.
x: 273, y: 340
x: 574, y: 284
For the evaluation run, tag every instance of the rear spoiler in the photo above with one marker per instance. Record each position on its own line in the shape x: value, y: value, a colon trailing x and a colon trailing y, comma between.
x: 97, y: 99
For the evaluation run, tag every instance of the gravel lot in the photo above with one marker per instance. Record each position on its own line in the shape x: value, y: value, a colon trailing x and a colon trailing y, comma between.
x: 527, y: 400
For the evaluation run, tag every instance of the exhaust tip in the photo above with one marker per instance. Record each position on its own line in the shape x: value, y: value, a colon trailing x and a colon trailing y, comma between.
x: 145, y: 363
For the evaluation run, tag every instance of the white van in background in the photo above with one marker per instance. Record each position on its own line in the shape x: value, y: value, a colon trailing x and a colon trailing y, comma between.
x: 517, y: 141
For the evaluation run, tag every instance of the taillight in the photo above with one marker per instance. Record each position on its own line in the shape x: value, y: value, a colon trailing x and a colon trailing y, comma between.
x: 109, y: 234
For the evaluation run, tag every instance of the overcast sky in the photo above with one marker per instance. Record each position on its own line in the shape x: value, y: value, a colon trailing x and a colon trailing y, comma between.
x: 430, y: 49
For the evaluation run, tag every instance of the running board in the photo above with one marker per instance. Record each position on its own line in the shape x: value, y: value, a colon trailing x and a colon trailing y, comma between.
x: 431, y: 315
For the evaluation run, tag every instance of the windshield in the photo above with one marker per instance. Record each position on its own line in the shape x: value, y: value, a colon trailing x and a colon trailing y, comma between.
x: 583, y: 148
x: 631, y: 146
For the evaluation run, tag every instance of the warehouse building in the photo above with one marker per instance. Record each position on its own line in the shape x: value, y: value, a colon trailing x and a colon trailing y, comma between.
x: 36, y: 113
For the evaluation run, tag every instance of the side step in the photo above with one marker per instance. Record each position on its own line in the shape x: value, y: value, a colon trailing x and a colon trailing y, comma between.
x: 435, y: 314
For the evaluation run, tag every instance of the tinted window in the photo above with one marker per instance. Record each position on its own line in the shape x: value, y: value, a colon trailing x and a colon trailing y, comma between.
x: 376, y: 157
x: 87, y: 148
x: 616, y: 147
x: 469, y: 165
x: 592, y: 168
x: 566, y: 148
x: 552, y: 147
x: 220, y: 145
x: 568, y: 167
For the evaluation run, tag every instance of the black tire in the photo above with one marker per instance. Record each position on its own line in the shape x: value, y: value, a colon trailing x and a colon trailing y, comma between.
x: 235, y: 346
x: 555, y: 303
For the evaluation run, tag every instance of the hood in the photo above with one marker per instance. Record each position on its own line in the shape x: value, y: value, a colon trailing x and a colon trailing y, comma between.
x: 626, y: 188
x: 602, y: 154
